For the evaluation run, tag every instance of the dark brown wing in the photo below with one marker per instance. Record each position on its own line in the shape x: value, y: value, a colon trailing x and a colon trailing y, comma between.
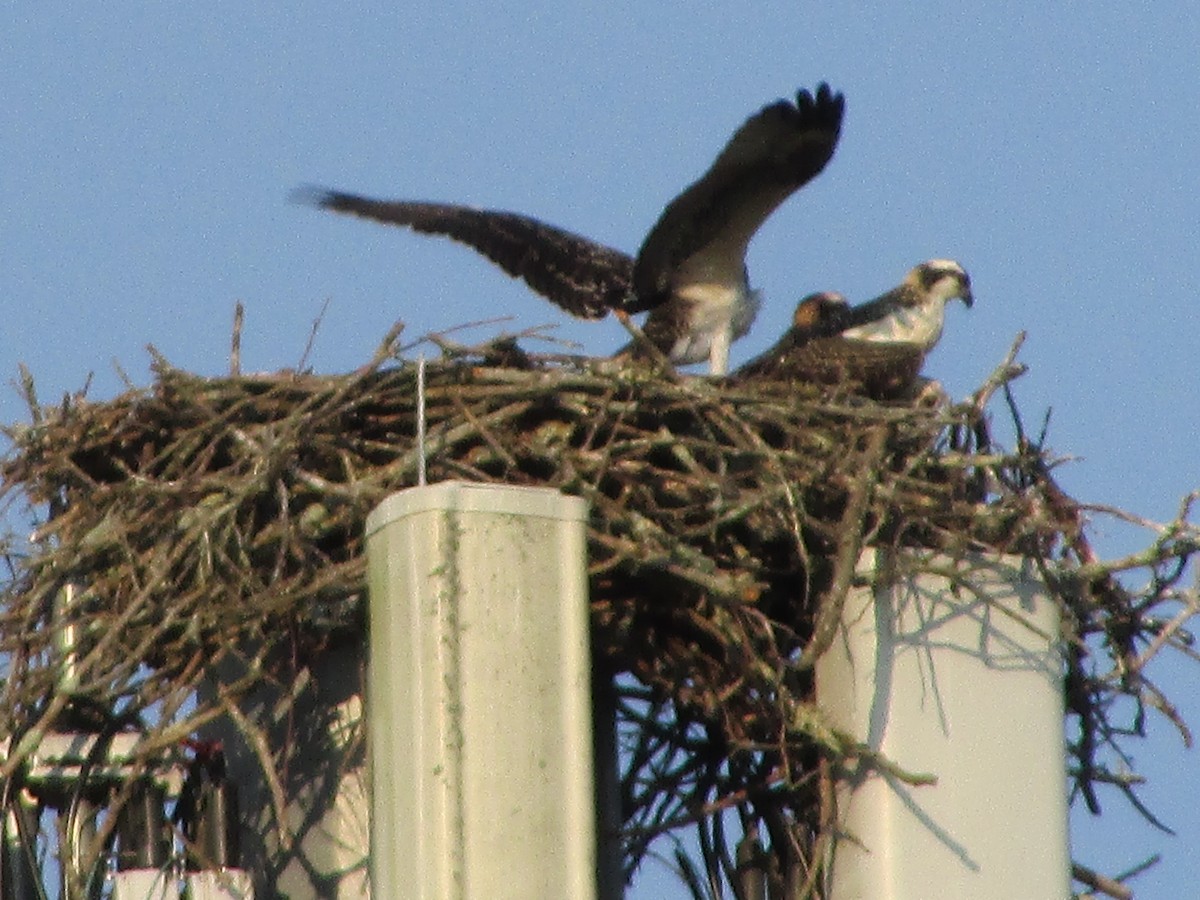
x: 662, y: 328
x: 879, y: 369
x: 707, y: 227
x: 583, y: 277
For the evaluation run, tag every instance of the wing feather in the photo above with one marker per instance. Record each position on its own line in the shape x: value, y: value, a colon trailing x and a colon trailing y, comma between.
x: 882, y: 370
x: 583, y: 277
x: 816, y: 350
x: 704, y: 231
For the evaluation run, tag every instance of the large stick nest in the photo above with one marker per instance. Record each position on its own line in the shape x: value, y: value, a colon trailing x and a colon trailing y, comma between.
x: 214, y: 516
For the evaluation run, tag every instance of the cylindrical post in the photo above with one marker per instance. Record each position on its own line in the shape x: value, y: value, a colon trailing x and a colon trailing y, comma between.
x: 144, y: 848
x: 610, y: 873
x: 213, y: 872
x: 965, y: 684
x: 479, y: 704
x: 143, y: 841
x: 217, y: 835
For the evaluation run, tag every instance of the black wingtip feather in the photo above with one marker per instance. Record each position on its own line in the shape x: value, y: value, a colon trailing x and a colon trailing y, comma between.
x: 824, y: 105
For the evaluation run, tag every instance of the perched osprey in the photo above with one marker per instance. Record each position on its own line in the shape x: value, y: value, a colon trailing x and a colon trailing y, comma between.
x: 690, y: 272
x: 877, y: 347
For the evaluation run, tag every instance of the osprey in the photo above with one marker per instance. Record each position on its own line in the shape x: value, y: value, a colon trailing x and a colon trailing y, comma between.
x: 877, y: 347
x: 690, y: 272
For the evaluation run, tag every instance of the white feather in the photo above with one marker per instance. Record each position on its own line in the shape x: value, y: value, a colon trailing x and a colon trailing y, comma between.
x: 719, y: 315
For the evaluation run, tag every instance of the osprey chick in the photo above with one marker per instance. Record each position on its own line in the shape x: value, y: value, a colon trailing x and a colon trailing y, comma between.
x: 877, y: 347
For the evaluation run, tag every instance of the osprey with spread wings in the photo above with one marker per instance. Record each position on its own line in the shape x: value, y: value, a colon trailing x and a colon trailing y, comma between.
x: 690, y: 273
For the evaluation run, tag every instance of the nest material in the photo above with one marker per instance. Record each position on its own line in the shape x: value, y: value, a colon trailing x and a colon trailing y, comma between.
x: 237, y: 504
x: 211, y: 516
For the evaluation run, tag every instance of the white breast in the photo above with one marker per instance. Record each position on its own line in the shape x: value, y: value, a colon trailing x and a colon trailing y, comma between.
x: 717, y: 316
x: 920, y: 325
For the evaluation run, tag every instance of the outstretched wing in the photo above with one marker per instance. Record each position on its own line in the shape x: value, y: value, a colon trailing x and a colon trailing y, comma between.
x: 583, y: 277
x: 703, y: 233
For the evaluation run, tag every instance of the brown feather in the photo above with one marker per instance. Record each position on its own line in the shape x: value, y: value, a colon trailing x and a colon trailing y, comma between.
x: 878, y: 369
x: 699, y: 241
x: 704, y: 231
x: 583, y: 277
x: 813, y: 351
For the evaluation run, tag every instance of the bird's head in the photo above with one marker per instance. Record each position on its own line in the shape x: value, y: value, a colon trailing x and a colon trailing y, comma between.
x: 817, y: 308
x: 913, y: 312
x: 940, y: 281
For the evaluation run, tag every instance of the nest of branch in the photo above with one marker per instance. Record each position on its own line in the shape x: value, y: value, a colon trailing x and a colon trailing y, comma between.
x: 211, y: 516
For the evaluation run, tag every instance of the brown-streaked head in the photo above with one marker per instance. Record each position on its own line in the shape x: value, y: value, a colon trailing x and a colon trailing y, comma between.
x: 817, y: 308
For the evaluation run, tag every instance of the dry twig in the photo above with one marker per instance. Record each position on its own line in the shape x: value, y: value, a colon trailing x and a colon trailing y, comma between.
x: 207, y: 514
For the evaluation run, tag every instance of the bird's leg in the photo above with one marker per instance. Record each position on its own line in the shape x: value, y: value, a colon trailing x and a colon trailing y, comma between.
x: 718, y: 352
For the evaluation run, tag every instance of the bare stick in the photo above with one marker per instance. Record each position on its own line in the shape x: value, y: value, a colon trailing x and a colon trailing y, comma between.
x: 235, y: 344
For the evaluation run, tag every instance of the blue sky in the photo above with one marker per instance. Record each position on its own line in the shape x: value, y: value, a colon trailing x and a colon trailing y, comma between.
x: 146, y: 154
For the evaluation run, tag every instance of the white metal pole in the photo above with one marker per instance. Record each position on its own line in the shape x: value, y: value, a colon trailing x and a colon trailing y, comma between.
x: 479, y: 706
x: 964, y: 684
